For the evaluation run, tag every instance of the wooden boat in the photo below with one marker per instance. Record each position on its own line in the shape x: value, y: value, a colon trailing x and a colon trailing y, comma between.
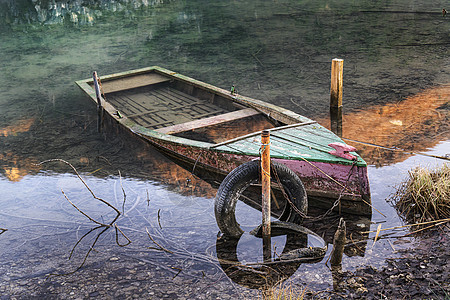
x: 217, y: 130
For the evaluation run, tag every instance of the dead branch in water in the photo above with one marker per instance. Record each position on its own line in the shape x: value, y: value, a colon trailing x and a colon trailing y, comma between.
x: 160, y: 247
x: 101, y: 225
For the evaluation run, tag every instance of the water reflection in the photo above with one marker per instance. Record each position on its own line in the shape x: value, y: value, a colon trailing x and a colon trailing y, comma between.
x: 14, y: 167
x: 257, y: 276
x: 412, y: 124
x: 79, y: 12
x: 250, y: 268
x: 18, y: 127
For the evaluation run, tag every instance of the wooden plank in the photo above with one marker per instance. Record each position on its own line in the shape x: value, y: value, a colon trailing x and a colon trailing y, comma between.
x: 259, y: 132
x: 125, y: 104
x: 164, y: 94
x: 175, y: 109
x: 231, y: 116
x: 179, y: 96
x: 127, y: 83
x: 300, y: 142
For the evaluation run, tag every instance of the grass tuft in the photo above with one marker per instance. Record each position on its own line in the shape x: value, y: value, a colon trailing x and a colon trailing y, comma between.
x: 425, y: 195
x: 284, y: 292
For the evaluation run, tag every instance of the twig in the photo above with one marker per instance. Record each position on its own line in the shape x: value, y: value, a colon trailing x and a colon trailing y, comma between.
x: 3, y: 230
x: 79, y: 240
x: 376, y: 235
x: 85, y: 184
x: 123, y: 191
x: 159, y: 218
x: 161, y: 247
x: 419, y: 230
x: 179, y: 271
x: 355, y: 243
x: 100, y: 224
x: 392, y: 246
x: 409, y: 225
x: 85, y: 257
x: 104, y: 158
x: 83, y: 213
x: 123, y: 234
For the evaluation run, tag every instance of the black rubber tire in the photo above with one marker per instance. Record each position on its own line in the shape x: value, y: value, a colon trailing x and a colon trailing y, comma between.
x: 240, y: 178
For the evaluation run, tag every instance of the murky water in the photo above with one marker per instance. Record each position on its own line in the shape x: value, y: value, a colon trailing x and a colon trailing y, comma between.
x: 396, y: 59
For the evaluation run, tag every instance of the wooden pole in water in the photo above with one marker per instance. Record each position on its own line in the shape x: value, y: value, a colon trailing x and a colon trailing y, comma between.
x: 265, y: 173
x: 265, y: 180
x: 337, y: 75
x: 338, y: 244
x: 99, y: 103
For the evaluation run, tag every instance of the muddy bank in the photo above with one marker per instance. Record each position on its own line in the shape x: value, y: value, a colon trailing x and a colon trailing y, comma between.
x: 420, y: 273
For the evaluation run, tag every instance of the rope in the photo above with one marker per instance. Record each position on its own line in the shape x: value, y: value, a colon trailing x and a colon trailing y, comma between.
x: 101, y: 88
x: 336, y: 203
x: 445, y: 157
x: 261, y: 151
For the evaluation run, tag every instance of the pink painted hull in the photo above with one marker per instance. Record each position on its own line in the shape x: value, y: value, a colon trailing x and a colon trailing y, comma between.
x: 324, y: 182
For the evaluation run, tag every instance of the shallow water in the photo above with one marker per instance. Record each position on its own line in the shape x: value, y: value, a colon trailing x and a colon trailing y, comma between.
x: 275, y: 51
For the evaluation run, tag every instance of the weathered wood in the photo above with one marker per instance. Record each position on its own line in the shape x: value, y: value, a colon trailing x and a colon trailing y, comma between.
x: 260, y: 132
x: 265, y: 182
x: 337, y: 74
x: 99, y: 102
x: 336, y: 120
x: 127, y: 83
x: 265, y: 174
x: 338, y: 244
x: 215, y: 120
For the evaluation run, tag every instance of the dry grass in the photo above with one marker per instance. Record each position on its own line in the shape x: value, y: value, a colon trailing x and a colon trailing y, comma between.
x: 425, y: 196
x: 283, y: 292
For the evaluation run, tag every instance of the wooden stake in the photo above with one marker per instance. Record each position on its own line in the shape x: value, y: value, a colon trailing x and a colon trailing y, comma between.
x: 337, y: 75
x: 99, y: 102
x: 265, y: 174
x: 338, y: 244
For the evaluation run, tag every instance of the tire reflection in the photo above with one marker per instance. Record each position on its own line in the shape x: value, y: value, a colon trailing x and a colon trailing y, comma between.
x: 268, y: 274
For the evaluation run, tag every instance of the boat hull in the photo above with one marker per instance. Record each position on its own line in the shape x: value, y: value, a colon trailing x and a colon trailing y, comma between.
x: 324, y: 182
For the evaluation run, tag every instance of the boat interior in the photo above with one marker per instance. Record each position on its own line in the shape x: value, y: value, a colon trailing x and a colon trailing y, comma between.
x: 179, y: 108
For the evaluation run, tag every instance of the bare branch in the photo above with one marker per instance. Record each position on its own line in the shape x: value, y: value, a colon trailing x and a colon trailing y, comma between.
x: 160, y: 247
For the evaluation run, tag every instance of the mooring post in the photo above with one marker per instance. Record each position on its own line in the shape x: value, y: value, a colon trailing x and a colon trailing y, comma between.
x: 338, y: 244
x: 337, y: 75
x: 265, y: 173
x: 265, y: 180
x: 99, y: 103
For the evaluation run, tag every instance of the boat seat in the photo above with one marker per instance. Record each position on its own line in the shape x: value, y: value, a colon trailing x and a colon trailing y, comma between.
x: 196, y: 124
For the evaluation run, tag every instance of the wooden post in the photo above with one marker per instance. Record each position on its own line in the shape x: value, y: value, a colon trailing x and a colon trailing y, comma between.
x: 265, y: 180
x: 337, y: 75
x: 99, y: 103
x: 338, y: 244
x: 265, y: 173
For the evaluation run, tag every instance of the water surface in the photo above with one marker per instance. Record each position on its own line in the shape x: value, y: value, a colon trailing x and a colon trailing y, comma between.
x: 396, y: 57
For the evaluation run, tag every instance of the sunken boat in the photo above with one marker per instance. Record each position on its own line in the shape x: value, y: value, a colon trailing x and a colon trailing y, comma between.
x: 217, y: 130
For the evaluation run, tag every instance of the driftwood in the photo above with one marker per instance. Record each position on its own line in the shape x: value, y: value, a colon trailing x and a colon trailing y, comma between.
x: 100, y: 225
